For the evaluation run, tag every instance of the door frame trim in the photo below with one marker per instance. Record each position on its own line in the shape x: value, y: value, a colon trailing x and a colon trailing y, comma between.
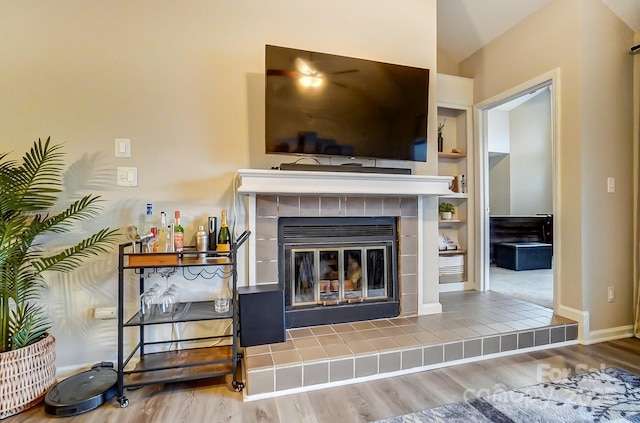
x: 552, y: 80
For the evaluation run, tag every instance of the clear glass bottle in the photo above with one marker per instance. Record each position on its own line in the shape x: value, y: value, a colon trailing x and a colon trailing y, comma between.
x: 148, y: 219
x: 162, y: 234
x: 148, y: 228
x: 224, y: 236
x: 178, y: 235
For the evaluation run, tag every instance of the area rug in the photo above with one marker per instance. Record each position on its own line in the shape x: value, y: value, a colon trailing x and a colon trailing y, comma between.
x: 609, y: 395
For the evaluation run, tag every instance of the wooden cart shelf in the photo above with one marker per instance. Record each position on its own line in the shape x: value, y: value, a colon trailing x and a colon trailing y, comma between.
x: 179, y: 365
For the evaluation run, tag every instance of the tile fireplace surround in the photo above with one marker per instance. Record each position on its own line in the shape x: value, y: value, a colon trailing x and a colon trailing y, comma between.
x: 411, y: 198
x: 473, y: 325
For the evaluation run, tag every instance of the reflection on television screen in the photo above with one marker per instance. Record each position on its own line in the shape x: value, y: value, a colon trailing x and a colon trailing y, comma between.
x: 324, y: 104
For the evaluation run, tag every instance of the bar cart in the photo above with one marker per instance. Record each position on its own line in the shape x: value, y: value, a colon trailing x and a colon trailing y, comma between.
x: 180, y: 364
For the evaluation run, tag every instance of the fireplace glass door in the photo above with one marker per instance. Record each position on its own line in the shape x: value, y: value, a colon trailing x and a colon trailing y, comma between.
x: 330, y: 276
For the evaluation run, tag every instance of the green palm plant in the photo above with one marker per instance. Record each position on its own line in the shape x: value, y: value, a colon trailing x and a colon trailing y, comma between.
x: 28, y: 191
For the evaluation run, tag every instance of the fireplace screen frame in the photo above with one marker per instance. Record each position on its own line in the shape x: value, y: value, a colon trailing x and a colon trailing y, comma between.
x: 333, y: 290
x: 338, y: 234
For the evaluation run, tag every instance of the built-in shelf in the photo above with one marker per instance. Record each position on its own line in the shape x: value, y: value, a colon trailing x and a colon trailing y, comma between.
x: 442, y: 155
x: 455, y: 99
x: 452, y: 252
x: 455, y: 195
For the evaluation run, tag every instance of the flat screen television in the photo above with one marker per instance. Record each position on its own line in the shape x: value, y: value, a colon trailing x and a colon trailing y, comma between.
x: 321, y: 104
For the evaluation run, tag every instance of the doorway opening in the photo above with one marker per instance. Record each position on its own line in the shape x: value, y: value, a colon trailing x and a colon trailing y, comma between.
x: 518, y: 185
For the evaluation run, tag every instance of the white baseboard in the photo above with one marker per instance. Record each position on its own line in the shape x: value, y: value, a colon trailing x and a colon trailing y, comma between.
x: 430, y: 308
x: 609, y: 334
x: 587, y: 336
x: 582, y: 317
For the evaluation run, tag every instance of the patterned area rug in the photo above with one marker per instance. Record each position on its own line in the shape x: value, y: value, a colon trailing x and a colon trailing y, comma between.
x: 609, y: 395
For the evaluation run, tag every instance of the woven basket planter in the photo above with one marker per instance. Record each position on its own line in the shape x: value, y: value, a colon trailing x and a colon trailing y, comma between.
x: 26, y: 375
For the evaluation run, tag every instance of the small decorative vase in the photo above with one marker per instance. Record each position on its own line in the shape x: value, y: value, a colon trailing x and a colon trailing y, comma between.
x: 446, y: 215
x: 440, y: 143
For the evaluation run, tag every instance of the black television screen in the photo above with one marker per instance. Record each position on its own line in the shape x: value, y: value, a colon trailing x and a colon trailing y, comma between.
x: 324, y: 104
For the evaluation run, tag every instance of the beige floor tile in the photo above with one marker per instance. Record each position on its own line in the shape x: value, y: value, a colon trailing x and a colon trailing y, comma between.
x: 313, y: 354
x: 330, y: 339
x: 307, y: 342
x: 343, y: 327
x: 427, y: 338
x: 401, y: 321
x: 285, y: 358
x: 322, y: 330
x: 337, y: 350
x: 362, y: 348
x: 300, y: 332
x: 446, y: 335
x: 372, y: 334
x: 410, y: 329
x: 483, y: 330
x: 406, y: 341
x: 362, y: 325
x: 393, y: 331
x: 283, y: 346
x: 385, y: 344
x: 384, y: 323
x: 257, y: 362
x: 350, y: 337
x: 259, y: 349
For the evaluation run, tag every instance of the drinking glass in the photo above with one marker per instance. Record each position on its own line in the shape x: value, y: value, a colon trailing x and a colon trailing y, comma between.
x: 167, y: 302
x: 147, y: 303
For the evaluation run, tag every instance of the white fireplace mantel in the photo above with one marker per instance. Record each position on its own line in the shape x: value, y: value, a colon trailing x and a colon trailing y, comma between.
x: 256, y: 181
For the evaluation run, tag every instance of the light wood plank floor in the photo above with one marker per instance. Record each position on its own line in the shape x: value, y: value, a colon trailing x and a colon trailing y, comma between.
x: 214, y: 401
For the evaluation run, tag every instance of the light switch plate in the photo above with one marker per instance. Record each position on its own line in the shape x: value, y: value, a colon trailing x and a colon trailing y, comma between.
x: 123, y: 147
x: 611, y: 184
x: 127, y: 176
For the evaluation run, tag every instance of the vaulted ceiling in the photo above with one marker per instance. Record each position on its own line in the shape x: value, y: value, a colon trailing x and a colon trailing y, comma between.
x: 465, y: 26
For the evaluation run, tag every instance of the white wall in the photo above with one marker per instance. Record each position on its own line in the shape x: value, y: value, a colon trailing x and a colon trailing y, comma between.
x: 498, y: 138
x: 499, y: 162
x: 499, y: 185
x: 520, y: 175
x: 589, y: 45
x: 531, y: 156
x: 182, y: 80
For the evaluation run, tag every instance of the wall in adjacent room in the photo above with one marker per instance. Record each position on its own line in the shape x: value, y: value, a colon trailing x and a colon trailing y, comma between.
x: 184, y: 82
x: 589, y: 45
x: 531, y: 155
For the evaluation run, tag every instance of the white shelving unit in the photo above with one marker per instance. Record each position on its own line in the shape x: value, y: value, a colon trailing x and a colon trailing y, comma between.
x: 455, y: 99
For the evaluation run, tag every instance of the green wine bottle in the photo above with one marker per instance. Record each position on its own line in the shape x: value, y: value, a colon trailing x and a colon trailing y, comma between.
x: 224, y: 236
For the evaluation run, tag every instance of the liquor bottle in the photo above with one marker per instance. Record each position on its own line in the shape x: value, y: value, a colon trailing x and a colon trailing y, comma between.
x: 162, y: 234
x: 224, y: 236
x: 213, y: 232
x: 178, y: 236
x: 148, y: 227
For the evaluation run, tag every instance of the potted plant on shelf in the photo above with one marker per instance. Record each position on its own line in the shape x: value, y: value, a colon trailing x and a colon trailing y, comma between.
x: 28, y: 191
x: 447, y: 210
x: 440, y: 139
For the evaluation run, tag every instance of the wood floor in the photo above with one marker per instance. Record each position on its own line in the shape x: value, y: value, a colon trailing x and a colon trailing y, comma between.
x: 214, y: 401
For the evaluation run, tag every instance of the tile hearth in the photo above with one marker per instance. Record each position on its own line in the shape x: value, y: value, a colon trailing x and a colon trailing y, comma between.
x: 473, y: 324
